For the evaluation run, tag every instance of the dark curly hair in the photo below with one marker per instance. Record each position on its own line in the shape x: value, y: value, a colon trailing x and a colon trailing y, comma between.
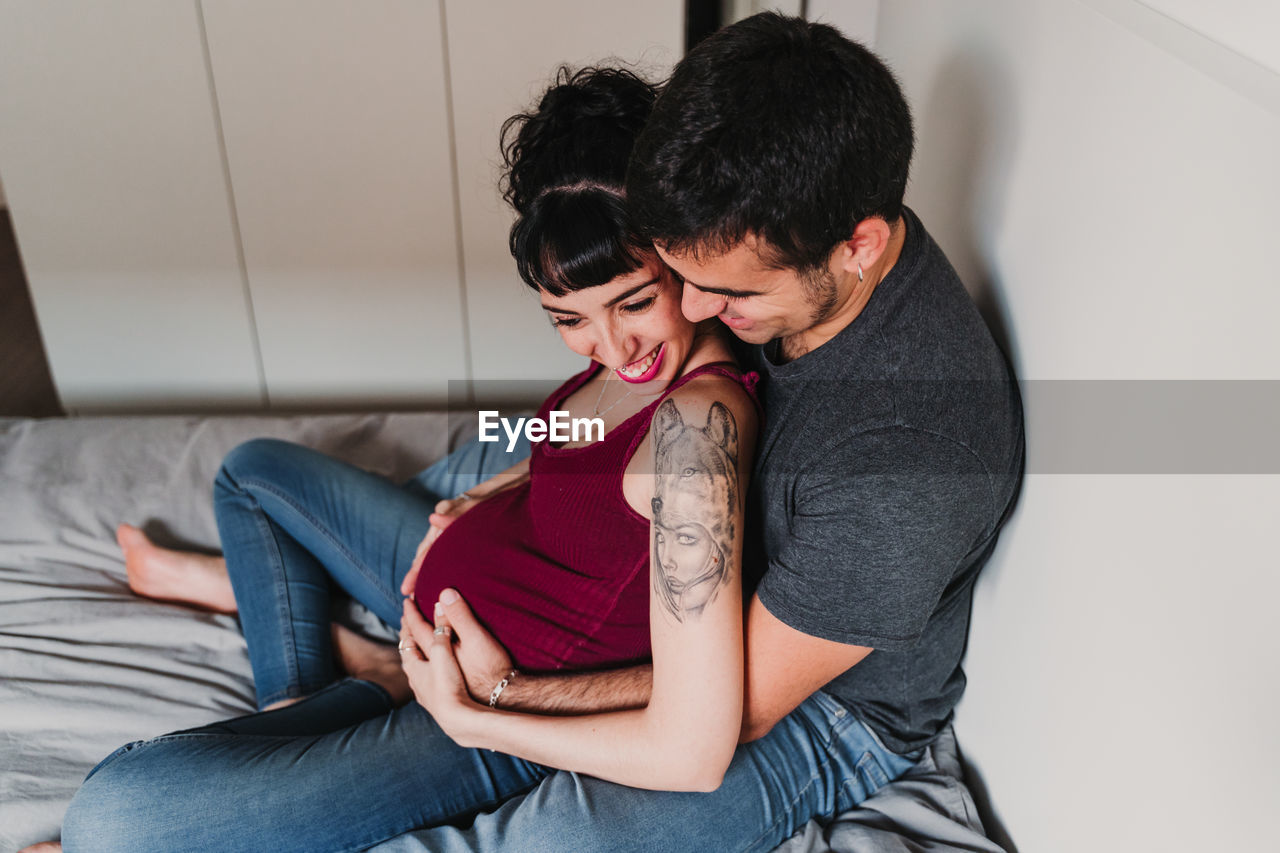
x: 565, y: 168
x: 776, y: 127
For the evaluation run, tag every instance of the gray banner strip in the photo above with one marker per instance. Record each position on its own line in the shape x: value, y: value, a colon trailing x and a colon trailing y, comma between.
x: 1072, y: 426
x: 1152, y: 427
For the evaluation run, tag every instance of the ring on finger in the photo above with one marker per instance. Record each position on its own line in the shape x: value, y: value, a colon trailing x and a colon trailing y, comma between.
x: 440, y: 630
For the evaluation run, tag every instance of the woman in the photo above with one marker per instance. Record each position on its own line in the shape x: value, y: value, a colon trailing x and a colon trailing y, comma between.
x: 585, y: 555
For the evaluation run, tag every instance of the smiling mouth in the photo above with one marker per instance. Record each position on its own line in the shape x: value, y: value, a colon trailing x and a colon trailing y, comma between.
x: 644, y: 369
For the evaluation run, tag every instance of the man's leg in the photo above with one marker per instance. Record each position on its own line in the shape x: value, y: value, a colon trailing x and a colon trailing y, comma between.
x: 819, y: 760
x: 337, y: 771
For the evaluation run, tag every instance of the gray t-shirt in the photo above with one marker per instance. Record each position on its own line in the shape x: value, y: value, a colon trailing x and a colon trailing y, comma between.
x: 888, y: 460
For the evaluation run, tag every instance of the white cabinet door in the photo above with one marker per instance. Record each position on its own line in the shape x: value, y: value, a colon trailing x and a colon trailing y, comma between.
x: 339, y: 150
x: 109, y: 150
x: 502, y: 54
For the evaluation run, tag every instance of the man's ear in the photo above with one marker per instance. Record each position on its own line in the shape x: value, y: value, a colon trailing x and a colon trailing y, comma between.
x: 864, y: 247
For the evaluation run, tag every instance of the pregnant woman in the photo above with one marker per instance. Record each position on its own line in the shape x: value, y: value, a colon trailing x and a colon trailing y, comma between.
x: 588, y: 554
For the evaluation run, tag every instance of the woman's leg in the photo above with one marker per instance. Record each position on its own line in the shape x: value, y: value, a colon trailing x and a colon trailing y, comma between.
x: 469, y: 466
x: 294, y: 524
x: 201, y: 580
x: 338, y: 771
x: 186, y: 577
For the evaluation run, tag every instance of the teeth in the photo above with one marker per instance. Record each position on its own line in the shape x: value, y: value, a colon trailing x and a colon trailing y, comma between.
x: 637, y: 368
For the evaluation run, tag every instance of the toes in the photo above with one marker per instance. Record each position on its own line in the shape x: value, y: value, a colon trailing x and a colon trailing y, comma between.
x: 130, y: 538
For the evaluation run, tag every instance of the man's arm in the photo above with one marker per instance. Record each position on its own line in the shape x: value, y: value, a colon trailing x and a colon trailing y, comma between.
x: 580, y: 692
x: 484, y: 662
x: 783, y: 668
x: 884, y: 535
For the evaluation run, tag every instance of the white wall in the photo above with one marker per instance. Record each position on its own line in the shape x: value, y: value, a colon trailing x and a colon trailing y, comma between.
x: 855, y: 18
x: 1106, y: 181
x: 1250, y: 28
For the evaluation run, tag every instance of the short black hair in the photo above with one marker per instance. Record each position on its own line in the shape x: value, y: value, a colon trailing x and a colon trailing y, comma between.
x: 565, y: 170
x: 776, y: 127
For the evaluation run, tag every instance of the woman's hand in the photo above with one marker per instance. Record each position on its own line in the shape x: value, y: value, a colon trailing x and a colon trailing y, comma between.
x: 447, y: 512
x: 427, y: 658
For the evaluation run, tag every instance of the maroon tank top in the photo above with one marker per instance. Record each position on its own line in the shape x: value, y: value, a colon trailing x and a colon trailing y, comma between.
x: 557, y: 568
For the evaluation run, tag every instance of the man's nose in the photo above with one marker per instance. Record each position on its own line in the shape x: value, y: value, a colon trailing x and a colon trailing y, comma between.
x: 698, y: 306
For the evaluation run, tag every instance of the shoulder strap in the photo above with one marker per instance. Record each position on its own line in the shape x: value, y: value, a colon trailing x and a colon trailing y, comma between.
x: 727, y: 369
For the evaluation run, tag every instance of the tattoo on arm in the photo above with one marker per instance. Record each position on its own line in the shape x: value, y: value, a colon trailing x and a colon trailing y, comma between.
x: 695, y: 500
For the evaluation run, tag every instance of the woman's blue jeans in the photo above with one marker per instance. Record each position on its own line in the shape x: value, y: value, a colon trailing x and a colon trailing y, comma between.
x: 297, y: 525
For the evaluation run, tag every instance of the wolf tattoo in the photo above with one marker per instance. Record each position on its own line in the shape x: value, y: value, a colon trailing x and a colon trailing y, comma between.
x: 695, y: 498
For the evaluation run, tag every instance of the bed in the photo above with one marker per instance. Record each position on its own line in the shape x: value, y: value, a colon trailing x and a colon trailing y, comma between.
x: 86, y: 666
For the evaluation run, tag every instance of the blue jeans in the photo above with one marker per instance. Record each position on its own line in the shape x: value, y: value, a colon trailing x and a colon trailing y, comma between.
x: 295, y: 524
x: 341, y: 770
x: 818, y: 760
x: 268, y: 782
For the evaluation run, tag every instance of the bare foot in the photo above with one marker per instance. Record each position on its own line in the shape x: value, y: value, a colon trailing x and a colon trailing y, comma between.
x: 182, y: 576
x: 43, y: 847
x: 363, y: 658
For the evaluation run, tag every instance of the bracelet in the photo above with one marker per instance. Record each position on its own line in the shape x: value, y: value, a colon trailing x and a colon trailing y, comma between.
x: 499, y: 687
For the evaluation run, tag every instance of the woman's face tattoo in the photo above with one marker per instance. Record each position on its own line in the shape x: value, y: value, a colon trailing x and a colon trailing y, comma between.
x: 694, y: 501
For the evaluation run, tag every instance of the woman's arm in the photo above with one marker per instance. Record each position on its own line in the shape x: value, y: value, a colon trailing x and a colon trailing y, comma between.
x: 701, y: 443
x: 513, y: 476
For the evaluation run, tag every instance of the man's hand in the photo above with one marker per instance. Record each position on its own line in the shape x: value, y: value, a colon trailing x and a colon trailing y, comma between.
x: 447, y: 512
x: 483, y: 660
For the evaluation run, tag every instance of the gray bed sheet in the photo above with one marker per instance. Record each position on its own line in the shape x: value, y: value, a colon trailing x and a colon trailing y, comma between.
x: 86, y: 666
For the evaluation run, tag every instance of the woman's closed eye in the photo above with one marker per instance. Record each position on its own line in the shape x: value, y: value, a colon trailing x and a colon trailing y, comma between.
x: 565, y: 322
x: 639, y: 305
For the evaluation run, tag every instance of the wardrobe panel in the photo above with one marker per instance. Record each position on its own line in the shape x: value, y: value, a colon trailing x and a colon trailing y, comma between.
x: 114, y: 178
x: 337, y: 137
x: 502, y: 56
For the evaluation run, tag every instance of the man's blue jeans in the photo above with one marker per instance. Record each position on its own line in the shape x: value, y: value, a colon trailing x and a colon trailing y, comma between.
x: 341, y: 770
x: 818, y: 760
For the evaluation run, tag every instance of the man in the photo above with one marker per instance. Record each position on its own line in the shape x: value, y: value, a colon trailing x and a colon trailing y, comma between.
x: 771, y: 178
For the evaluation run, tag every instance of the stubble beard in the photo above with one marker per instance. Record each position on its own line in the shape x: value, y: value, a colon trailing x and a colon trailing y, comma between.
x: 821, y: 292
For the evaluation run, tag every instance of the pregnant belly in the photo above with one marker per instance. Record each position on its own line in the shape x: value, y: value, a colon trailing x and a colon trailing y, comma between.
x: 547, y: 615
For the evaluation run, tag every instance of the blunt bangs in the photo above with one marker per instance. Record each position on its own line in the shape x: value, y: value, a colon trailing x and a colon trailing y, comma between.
x: 571, y: 238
